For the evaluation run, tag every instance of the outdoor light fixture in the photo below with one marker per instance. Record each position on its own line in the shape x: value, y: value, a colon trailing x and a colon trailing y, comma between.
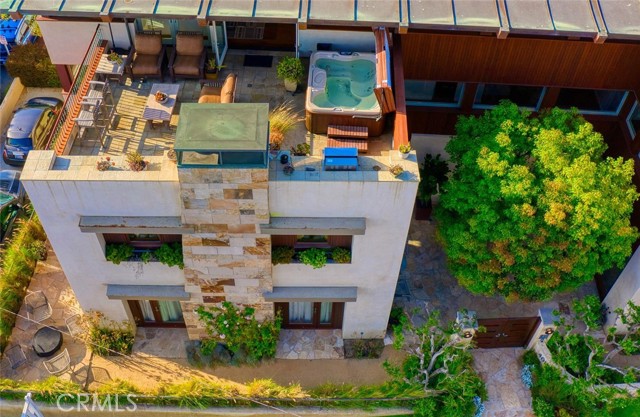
x: 468, y: 334
x: 548, y: 330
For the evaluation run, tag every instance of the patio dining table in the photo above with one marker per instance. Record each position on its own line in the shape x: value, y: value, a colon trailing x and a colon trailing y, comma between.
x: 47, y: 341
x: 156, y: 111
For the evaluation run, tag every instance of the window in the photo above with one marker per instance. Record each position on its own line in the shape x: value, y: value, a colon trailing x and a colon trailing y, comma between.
x: 489, y: 95
x: 592, y: 101
x: 633, y: 121
x: 156, y: 25
x: 310, y: 315
x: 141, y: 242
x: 433, y: 93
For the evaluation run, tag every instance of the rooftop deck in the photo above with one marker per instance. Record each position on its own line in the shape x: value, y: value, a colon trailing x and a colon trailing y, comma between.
x: 130, y: 132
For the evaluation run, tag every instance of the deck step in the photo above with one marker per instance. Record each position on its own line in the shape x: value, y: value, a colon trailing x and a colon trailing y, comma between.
x: 361, y: 144
x: 338, y: 131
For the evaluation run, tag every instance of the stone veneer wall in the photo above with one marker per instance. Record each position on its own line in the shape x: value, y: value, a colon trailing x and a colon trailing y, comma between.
x: 226, y: 258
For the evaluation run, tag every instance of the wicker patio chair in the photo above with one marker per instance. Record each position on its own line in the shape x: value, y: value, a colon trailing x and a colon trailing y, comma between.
x: 16, y: 356
x: 58, y: 364
x: 38, y: 308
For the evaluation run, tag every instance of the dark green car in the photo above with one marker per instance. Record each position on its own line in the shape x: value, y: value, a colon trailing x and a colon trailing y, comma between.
x: 11, y: 201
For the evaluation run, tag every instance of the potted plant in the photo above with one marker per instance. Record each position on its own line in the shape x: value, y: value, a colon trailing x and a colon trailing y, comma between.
x: 290, y: 70
x: 396, y: 170
x: 404, y: 150
x: 212, y: 69
x: 301, y: 149
x: 136, y: 161
x: 114, y: 57
x: 288, y: 169
x: 104, y: 164
x: 433, y: 173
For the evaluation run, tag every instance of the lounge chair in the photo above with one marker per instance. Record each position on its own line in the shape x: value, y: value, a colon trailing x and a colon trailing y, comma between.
x: 187, y: 58
x: 148, y: 54
x: 219, y: 92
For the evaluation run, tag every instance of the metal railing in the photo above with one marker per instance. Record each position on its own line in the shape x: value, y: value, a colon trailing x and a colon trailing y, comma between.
x: 84, y: 74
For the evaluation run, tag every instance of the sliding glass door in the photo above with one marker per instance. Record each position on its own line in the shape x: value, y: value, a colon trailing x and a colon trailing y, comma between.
x: 156, y: 313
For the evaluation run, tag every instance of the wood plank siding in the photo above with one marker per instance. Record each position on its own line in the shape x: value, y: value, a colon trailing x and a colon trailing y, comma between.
x: 522, y: 61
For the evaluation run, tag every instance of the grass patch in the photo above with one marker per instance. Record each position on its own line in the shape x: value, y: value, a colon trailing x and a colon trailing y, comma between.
x: 19, y: 259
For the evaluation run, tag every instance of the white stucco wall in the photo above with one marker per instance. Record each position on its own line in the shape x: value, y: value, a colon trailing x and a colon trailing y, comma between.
x: 376, y: 255
x: 626, y: 288
x: 341, y: 40
x: 67, y: 42
x: 61, y: 196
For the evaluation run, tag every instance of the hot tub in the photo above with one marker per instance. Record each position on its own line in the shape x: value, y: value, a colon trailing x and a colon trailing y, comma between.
x: 341, y: 92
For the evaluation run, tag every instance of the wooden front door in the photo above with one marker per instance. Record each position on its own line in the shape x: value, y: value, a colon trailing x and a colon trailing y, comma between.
x: 310, y: 315
x: 505, y: 332
x: 155, y: 313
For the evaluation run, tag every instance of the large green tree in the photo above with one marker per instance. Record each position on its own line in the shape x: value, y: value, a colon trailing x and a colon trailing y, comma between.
x: 533, y: 207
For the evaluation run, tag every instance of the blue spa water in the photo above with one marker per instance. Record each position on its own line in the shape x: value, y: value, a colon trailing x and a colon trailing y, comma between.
x: 349, y: 85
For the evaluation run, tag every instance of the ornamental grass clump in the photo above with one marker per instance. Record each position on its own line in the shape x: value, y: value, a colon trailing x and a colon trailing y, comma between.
x: 282, y: 119
x: 18, y: 261
x: 108, y: 337
x: 239, y: 329
x: 341, y: 255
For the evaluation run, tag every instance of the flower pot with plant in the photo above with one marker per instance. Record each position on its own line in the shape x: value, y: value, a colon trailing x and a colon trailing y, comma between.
x: 212, y: 69
x: 290, y: 70
x: 104, y: 164
x: 404, y: 150
x: 136, y: 161
x: 396, y: 170
x: 433, y: 174
x: 113, y: 57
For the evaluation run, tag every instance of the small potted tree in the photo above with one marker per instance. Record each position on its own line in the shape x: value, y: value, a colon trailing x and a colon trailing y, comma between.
x: 433, y: 173
x: 404, y: 149
x: 212, y: 69
x: 136, y: 161
x: 290, y: 70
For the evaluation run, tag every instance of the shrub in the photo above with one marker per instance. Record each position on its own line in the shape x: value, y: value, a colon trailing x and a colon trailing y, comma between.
x: 282, y: 255
x: 290, y: 68
x: 170, y: 254
x: 37, y: 250
x: 31, y: 63
x: 18, y: 261
x: 136, y: 161
x: 239, y: 329
x: 314, y: 257
x: 108, y: 337
x: 281, y: 120
x: 341, y: 255
x: 301, y: 149
x: 118, y: 252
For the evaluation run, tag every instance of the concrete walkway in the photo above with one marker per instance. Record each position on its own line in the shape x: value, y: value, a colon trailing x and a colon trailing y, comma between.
x: 500, y: 369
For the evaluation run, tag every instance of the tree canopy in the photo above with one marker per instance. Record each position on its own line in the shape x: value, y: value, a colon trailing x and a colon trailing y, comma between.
x: 533, y: 207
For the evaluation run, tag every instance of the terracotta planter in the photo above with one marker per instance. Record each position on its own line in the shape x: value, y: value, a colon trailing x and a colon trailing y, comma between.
x: 290, y: 85
x: 422, y: 211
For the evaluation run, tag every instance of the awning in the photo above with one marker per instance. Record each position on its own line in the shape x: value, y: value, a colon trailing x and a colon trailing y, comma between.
x: 122, y: 224
x: 337, y: 226
x: 147, y: 292
x: 601, y: 18
x: 313, y: 294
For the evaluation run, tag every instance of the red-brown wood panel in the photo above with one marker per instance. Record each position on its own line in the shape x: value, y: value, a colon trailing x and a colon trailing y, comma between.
x: 523, y: 61
x: 505, y: 332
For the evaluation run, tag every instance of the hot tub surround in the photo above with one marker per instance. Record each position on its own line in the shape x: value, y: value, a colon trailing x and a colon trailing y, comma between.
x: 341, y: 91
